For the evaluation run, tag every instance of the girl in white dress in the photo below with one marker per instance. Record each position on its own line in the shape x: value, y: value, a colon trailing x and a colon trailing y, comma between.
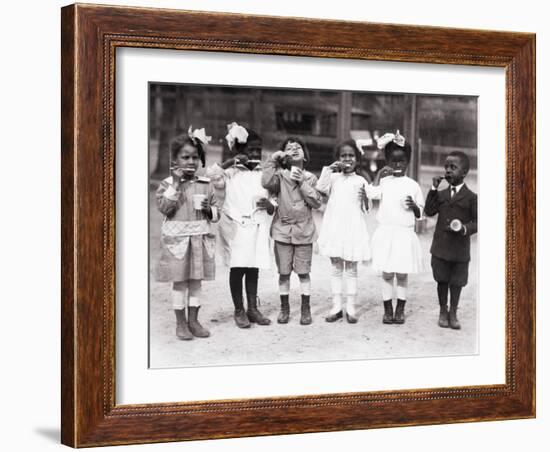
x: 244, y: 224
x: 396, y: 250
x: 344, y: 236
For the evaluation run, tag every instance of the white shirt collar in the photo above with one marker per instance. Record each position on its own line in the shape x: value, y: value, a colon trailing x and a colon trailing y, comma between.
x: 258, y: 167
x: 458, y: 187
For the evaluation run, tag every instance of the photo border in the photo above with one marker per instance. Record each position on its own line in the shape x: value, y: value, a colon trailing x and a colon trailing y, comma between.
x: 90, y: 36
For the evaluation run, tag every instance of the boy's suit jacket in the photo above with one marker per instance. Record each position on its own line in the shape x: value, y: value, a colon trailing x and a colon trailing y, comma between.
x: 448, y: 245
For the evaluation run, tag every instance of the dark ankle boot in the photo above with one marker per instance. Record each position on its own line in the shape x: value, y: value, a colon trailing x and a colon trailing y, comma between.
x: 351, y: 318
x: 399, y: 316
x: 333, y: 317
x: 305, y: 318
x: 194, y: 326
x: 443, y: 316
x: 388, y: 312
x: 253, y: 314
x: 284, y: 315
x: 241, y: 319
x: 240, y: 316
x: 453, y: 320
x: 182, y: 330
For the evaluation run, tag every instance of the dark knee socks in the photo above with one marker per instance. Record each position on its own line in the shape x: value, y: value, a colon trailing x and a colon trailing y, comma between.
x: 236, y: 284
x: 442, y: 293
x: 251, y: 283
x: 455, y: 295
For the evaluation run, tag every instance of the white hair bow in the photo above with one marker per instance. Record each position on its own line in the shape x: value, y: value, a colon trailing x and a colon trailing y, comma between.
x: 360, y: 142
x: 198, y: 135
x: 397, y: 138
x: 235, y: 132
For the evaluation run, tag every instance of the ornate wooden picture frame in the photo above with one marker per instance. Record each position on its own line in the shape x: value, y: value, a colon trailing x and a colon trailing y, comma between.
x: 90, y: 37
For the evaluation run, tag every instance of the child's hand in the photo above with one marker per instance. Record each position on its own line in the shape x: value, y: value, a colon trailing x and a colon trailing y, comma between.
x: 385, y: 171
x: 461, y: 231
x: 265, y: 204
x: 228, y: 163
x: 177, y: 174
x: 409, y: 202
x: 297, y: 175
x: 205, y: 207
x: 336, y: 166
x: 363, y: 200
x: 362, y: 194
x: 241, y: 158
x: 436, y: 181
x: 278, y: 156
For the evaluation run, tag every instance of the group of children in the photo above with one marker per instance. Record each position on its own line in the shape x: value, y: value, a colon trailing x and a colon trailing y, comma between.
x: 257, y: 205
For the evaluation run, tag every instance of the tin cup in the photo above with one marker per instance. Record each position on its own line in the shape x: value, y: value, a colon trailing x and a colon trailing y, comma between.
x: 294, y: 171
x: 456, y: 225
x: 197, y: 200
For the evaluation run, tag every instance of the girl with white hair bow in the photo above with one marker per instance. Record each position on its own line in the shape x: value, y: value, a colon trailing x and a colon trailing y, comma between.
x: 396, y: 249
x: 244, y: 225
x: 187, y: 255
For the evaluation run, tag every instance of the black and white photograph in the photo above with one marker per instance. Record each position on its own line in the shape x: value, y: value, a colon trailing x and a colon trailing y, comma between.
x: 275, y: 226
x: 307, y: 225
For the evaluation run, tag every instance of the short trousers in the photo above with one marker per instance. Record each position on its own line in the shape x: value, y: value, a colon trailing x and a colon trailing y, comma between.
x: 293, y: 257
x: 450, y: 272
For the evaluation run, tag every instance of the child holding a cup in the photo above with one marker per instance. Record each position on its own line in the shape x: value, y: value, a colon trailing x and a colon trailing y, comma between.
x: 396, y: 250
x: 187, y: 244
x: 344, y: 235
x: 293, y: 228
x: 244, y: 225
x: 457, y: 221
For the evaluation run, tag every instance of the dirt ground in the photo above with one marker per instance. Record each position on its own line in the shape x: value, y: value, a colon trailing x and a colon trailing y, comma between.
x: 420, y: 336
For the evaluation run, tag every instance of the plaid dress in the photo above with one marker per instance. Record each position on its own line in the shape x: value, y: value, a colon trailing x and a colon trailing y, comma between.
x: 187, y: 243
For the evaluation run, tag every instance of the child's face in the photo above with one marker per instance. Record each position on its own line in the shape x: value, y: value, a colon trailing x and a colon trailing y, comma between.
x: 295, y: 151
x: 454, y: 170
x: 253, y: 151
x: 188, y: 159
x: 398, y: 161
x: 348, y: 158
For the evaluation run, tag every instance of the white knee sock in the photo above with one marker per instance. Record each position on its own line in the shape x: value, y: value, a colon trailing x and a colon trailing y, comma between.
x: 351, y: 286
x: 284, y: 286
x: 179, y: 299
x: 402, y: 284
x: 179, y: 295
x: 387, y: 289
x: 305, y: 285
x: 351, y: 289
x: 194, y: 292
x: 336, y: 286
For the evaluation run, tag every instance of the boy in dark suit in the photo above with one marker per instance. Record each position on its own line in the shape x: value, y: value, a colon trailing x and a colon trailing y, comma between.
x: 457, y: 221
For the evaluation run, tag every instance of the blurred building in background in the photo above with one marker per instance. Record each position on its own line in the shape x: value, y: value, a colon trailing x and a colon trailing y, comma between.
x: 433, y: 124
